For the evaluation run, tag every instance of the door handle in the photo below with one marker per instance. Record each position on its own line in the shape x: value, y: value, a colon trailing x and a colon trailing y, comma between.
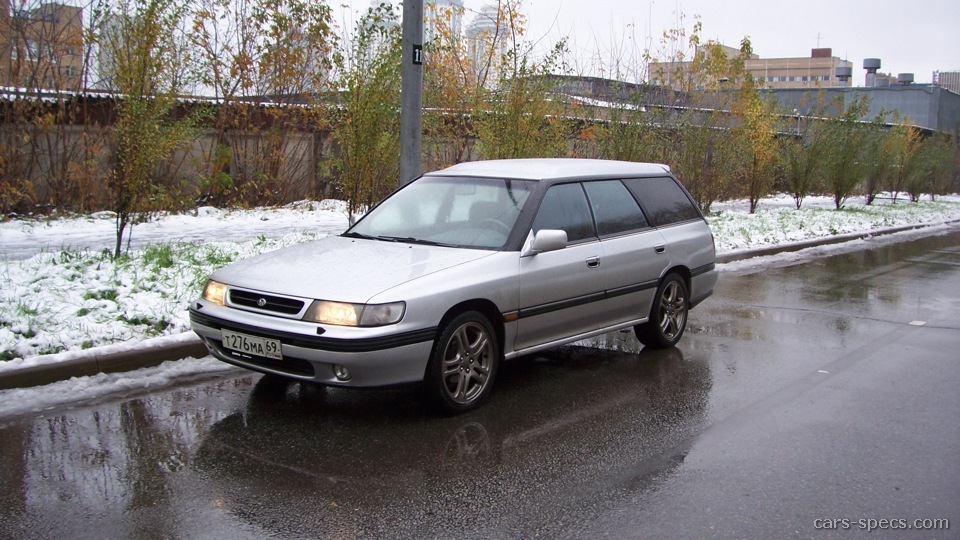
x: 660, y: 248
x: 593, y: 262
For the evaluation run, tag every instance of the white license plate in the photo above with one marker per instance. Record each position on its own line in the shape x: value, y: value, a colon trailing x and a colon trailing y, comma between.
x: 259, y: 346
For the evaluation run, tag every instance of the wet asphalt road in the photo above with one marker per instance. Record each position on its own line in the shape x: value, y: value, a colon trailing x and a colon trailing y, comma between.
x: 800, y: 398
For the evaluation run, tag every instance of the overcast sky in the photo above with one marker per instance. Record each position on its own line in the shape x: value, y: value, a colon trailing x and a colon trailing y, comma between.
x: 916, y: 36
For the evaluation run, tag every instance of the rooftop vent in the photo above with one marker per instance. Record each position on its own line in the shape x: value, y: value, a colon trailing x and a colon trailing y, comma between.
x: 871, y: 65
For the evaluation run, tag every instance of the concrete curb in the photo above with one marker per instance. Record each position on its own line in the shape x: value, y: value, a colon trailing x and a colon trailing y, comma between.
x: 153, y: 352
x: 740, y: 255
x: 107, y: 359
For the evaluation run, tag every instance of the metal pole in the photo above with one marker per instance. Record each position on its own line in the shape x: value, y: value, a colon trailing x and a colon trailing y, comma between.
x: 411, y: 91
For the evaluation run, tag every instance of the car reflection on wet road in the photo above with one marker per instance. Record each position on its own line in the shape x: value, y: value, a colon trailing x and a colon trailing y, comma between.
x: 799, y: 393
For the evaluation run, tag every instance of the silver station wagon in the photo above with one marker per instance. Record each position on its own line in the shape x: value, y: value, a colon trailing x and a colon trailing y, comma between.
x: 464, y: 268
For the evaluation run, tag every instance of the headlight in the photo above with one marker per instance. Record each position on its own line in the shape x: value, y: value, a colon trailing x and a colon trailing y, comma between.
x: 215, y: 292
x: 338, y: 313
x: 343, y: 314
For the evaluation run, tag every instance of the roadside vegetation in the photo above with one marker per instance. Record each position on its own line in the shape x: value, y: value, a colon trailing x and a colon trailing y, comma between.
x: 302, y: 109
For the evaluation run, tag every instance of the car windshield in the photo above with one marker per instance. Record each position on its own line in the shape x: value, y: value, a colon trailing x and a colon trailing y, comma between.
x: 453, y: 211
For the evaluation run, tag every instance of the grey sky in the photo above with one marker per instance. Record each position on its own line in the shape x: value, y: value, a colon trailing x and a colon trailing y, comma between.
x: 917, y: 36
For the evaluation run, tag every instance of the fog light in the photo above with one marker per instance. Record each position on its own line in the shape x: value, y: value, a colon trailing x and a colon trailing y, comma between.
x: 342, y: 373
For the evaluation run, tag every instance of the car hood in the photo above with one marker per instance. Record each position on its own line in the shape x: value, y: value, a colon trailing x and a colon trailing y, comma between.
x: 342, y: 269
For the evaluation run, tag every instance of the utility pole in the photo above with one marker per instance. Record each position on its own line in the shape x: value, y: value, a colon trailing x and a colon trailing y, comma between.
x: 411, y: 91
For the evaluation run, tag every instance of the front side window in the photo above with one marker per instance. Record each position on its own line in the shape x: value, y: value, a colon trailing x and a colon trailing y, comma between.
x: 565, y: 207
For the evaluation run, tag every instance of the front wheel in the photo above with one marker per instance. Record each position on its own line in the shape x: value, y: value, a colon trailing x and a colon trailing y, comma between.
x: 668, y: 316
x: 463, y: 364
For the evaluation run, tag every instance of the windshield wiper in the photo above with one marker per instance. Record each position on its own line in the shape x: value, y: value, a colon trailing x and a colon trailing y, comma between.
x: 412, y: 240
x: 404, y: 239
x: 397, y: 239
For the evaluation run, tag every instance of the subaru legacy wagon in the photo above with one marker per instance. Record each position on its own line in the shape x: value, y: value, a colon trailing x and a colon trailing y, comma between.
x: 465, y: 268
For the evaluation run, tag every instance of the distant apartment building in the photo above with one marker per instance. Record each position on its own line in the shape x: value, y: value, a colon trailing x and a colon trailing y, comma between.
x: 486, y: 41
x: 41, y: 47
x: 948, y: 79
x: 447, y: 14
x: 819, y: 70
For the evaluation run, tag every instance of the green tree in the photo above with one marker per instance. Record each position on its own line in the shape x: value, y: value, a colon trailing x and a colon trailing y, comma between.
x: 877, y: 159
x: 367, y: 130
x: 691, y: 133
x: 753, y: 135
x: 757, y: 132
x: 630, y: 130
x: 519, y: 118
x: 147, y: 129
x: 258, y: 56
x: 453, y: 88
x: 802, y: 157
x: 932, y: 165
x: 845, y: 137
x: 903, y: 145
x: 799, y: 161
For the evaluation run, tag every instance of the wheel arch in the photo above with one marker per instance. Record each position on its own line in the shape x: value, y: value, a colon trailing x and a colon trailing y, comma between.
x: 481, y: 305
x: 684, y: 274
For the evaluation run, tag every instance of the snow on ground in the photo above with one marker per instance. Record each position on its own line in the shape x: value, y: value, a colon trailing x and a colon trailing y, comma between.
x: 60, y: 291
x: 22, y: 401
x: 21, y: 239
x: 778, y: 222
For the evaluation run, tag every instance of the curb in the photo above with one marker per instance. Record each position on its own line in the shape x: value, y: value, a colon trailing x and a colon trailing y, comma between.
x: 107, y: 359
x: 153, y: 352
x: 740, y: 255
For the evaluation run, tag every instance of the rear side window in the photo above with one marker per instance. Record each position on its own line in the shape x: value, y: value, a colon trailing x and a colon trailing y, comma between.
x: 615, y: 209
x: 664, y: 201
x: 565, y: 207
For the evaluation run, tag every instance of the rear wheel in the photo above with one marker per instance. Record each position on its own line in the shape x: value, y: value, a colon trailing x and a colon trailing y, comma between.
x: 668, y: 316
x: 464, y: 363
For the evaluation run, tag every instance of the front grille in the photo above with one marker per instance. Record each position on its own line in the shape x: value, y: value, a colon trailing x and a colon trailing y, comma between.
x: 266, y: 302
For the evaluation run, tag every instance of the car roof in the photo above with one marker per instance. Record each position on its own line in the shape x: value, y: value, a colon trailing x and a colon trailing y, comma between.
x: 552, y: 168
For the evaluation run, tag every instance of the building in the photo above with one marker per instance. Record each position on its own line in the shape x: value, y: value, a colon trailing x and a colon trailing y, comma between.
x: 42, y: 47
x: 929, y: 107
x: 447, y: 14
x: 948, y: 79
x: 819, y: 70
x: 486, y: 41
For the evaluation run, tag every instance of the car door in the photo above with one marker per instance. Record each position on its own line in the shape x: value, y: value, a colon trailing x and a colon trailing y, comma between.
x: 561, y: 291
x: 634, y: 253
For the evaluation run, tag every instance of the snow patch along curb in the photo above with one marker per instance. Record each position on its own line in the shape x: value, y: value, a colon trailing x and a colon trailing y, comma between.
x: 46, y: 369
x: 742, y: 254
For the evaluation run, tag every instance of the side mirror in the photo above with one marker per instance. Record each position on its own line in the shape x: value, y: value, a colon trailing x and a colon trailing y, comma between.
x: 546, y: 240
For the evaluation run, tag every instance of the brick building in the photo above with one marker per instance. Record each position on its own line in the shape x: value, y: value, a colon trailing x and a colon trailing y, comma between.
x: 41, y: 46
x: 819, y: 70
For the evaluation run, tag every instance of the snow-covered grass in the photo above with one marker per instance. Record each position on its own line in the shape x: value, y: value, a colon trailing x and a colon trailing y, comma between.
x: 779, y: 222
x: 61, y: 291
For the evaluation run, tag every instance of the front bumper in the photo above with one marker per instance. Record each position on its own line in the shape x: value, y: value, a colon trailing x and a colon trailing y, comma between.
x: 373, y: 356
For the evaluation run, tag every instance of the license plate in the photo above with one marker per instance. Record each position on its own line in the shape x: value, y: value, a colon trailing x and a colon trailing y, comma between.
x: 259, y: 346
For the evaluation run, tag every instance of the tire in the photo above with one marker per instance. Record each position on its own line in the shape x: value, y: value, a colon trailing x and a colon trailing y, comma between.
x: 668, y: 315
x: 463, y: 364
